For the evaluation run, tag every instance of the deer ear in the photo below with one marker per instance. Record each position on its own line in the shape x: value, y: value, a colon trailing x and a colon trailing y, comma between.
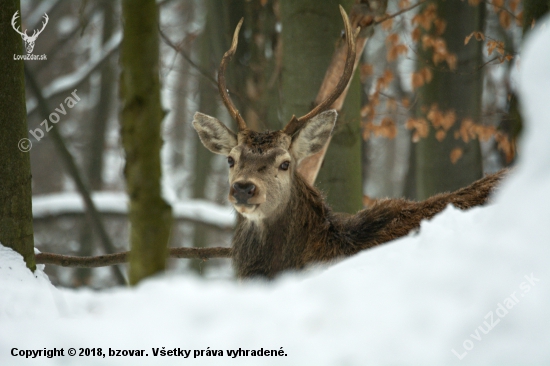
x: 214, y: 135
x: 311, y: 138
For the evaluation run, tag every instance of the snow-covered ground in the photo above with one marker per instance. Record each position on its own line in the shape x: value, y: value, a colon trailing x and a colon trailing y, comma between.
x: 470, y: 287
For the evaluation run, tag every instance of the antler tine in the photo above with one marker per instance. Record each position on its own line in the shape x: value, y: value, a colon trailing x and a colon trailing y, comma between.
x: 221, y: 80
x: 296, y: 123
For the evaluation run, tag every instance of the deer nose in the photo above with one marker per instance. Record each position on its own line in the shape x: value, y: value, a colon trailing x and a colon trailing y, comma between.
x: 242, y: 191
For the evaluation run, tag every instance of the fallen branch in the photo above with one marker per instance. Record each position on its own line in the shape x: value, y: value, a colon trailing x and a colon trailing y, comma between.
x: 120, y: 258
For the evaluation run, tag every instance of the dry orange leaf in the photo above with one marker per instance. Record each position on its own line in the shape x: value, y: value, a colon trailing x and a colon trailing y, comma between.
x: 440, y: 135
x: 387, y: 25
x: 505, y: 19
x: 456, y: 154
x: 416, y: 33
x: 392, y: 38
x: 404, y: 4
x: 395, y: 51
x: 366, y: 110
x: 417, y: 80
x: 426, y: 74
x: 365, y: 71
x: 451, y: 61
x: 479, y: 36
x: 440, y: 26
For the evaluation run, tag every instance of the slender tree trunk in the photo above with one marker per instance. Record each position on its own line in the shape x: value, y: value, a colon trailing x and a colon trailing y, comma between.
x: 16, y: 230
x: 451, y: 90
x: 310, y: 31
x: 208, y: 101
x: 141, y: 117
x: 97, y: 143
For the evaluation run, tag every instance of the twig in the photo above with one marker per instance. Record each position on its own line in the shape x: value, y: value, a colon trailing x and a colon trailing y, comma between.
x: 502, y: 8
x: 120, y: 258
x: 244, y: 100
x: 187, y: 58
x: 398, y: 13
x: 67, y: 83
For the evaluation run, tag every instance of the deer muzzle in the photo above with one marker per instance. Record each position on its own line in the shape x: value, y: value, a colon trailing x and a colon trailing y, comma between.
x: 242, y: 192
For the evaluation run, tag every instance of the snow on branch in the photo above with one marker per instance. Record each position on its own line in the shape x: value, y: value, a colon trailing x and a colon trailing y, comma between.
x: 116, y: 203
x: 67, y: 83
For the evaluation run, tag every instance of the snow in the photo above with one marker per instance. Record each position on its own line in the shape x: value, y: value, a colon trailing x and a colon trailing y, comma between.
x: 413, y: 301
x: 117, y: 203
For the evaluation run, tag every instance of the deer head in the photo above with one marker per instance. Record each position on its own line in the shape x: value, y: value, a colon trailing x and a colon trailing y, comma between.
x: 29, y: 41
x: 262, y: 165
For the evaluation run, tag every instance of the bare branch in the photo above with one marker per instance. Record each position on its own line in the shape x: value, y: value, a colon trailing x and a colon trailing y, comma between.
x: 187, y: 58
x: 387, y: 17
x: 67, y: 83
x: 74, y: 172
x: 120, y: 258
x: 502, y: 8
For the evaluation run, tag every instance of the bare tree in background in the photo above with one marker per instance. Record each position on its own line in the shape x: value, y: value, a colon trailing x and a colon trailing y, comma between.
x: 93, y: 156
x: 141, y: 117
x: 444, y: 163
x: 310, y: 29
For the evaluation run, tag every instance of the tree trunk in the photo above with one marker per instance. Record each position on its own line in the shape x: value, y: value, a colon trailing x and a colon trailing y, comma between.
x: 141, y: 117
x: 208, y: 104
x: 16, y: 230
x: 95, y: 151
x: 456, y: 90
x: 310, y: 31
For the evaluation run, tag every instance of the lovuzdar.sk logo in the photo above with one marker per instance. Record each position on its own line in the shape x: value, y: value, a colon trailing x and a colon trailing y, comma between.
x: 29, y: 40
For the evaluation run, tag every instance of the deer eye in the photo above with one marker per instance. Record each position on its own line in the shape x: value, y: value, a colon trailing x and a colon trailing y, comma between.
x: 230, y: 161
x: 284, y: 165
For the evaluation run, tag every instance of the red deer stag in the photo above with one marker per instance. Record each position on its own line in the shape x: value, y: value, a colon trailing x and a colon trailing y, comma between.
x: 283, y: 222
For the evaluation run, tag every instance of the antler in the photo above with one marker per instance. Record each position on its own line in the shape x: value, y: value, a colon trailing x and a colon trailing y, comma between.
x: 13, y: 19
x: 36, y: 33
x: 221, y: 80
x: 296, y: 123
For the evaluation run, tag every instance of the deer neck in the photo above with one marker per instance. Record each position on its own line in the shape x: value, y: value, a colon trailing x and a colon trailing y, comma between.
x: 265, y: 247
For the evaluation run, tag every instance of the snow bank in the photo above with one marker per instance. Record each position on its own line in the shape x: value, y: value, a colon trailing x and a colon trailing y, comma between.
x: 470, y: 287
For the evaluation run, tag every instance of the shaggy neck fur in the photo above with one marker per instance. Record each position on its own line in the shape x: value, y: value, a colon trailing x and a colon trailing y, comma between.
x: 266, y: 247
x: 305, y: 230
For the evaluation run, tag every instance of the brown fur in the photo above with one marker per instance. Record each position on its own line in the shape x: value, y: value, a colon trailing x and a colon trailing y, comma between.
x: 307, y: 231
x: 284, y: 224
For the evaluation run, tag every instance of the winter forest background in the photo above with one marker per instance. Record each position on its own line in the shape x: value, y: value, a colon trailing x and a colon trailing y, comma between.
x: 430, y: 109
x: 439, y: 98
